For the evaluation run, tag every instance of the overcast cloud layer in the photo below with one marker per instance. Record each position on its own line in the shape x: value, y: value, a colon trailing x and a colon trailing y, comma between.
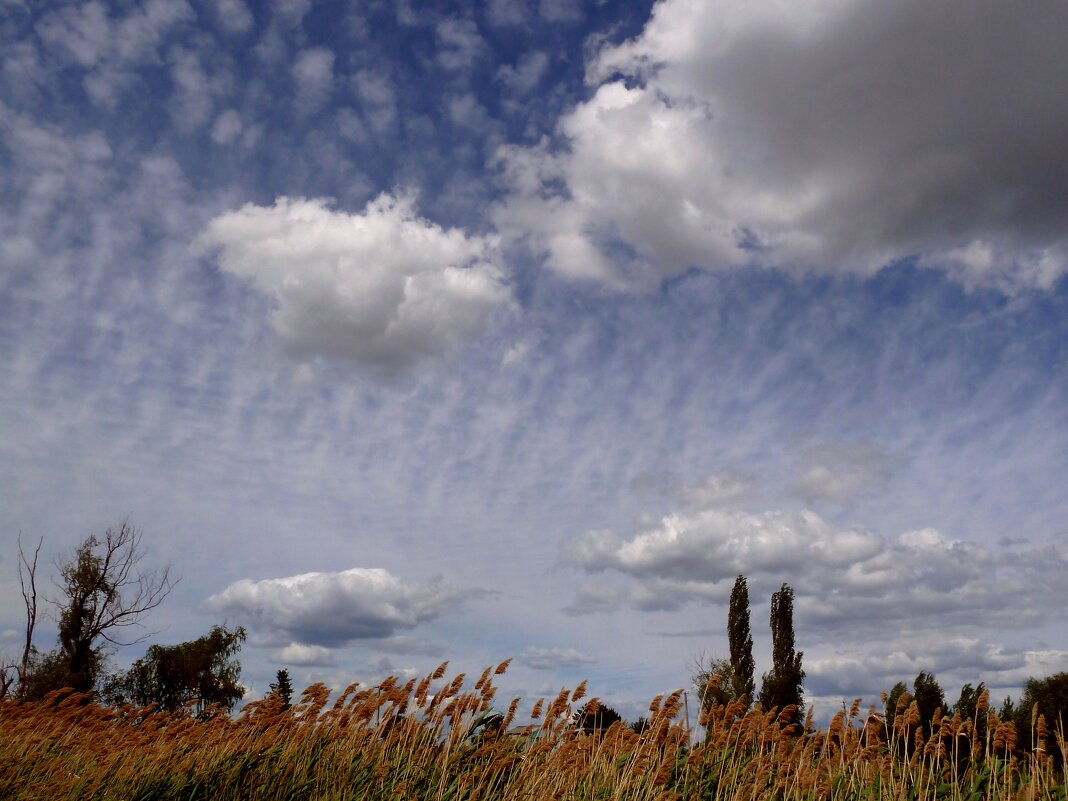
x: 518, y: 329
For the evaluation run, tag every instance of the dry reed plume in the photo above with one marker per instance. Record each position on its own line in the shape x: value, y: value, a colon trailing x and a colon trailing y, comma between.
x: 403, y: 741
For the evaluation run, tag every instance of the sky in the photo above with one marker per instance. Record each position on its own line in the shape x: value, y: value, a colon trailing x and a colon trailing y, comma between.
x: 412, y: 331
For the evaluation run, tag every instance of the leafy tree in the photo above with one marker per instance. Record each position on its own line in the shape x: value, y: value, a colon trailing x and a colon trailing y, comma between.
x: 598, y: 718
x: 714, y: 683
x: 1008, y: 709
x: 783, y: 685
x: 200, y: 672
x: 968, y: 701
x: 1050, y: 695
x: 741, y: 641
x: 102, y: 593
x: 282, y: 688
x: 927, y: 693
x: 893, y: 700
x: 640, y: 725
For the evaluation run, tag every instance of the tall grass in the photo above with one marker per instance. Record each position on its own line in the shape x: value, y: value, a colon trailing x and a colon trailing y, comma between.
x: 403, y: 741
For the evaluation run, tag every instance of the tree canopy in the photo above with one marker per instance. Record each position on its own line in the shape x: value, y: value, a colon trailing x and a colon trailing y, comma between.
x: 193, y: 674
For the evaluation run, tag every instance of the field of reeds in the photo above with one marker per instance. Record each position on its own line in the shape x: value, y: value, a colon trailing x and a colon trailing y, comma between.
x: 440, y: 739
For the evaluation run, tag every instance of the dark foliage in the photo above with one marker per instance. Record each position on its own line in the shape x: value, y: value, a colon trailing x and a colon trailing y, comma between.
x: 1044, y: 700
x: 927, y: 693
x: 282, y: 687
x: 590, y: 722
x: 193, y: 674
x: 743, y: 668
x: 783, y: 685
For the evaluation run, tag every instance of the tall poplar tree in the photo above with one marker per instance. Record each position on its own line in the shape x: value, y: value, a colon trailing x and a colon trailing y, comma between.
x: 741, y: 641
x: 783, y: 685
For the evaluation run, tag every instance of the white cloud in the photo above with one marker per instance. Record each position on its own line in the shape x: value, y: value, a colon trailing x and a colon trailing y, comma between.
x: 233, y: 15
x: 83, y: 32
x: 812, y: 138
x: 313, y: 74
x: 503, y: 13
x: 459, y: 44
x: 327, y: 609
x: 377, y: 98
x: 192, y: 102
x: 553, y: 658
x: 526, y: 74
x: 302, y: 655
x: 844, y: 578
x: 110, y: 48
x: 719, y: 488
x: 226, y: 128
x: 291, y: 12
x: 383, y: 288
x: 840, y: 473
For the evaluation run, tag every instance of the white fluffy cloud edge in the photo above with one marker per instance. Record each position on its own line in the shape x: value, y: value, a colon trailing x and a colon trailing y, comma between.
x: 311, y: 613
x: 382, y: 288
x: 811, y: 137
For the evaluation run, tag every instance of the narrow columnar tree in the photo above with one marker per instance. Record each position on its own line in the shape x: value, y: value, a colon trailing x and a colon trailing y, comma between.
x: 783, y: 686
x: 741, y: 641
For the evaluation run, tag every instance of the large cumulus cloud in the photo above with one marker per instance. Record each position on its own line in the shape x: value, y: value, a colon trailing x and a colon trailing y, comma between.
x: 811, y: 136
x: 382, y: 288
x: 847, y: 579
x: 332, y: 609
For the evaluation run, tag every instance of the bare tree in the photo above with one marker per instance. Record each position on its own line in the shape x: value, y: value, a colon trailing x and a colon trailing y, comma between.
x: 17, y: 671
x: 102, y: 595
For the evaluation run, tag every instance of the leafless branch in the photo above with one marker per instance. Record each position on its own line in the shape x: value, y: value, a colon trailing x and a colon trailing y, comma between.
x: 121, y: 595
x: 28, y: 584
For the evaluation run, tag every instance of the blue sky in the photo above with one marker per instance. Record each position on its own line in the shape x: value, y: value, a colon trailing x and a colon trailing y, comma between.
x: 475, y: 330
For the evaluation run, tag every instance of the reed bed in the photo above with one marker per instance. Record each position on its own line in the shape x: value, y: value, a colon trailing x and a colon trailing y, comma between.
x: 398, y: 740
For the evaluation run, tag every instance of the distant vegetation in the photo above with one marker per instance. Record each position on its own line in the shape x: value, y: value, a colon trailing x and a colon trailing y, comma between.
x: 164, y: 728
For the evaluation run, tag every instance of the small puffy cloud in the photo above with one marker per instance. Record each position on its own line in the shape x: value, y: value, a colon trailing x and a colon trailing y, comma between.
x: 233, y: 16
x: 226, y: 128
x: 313, y: 76
x: 839, y: 474
x: 378, y: 99
x: 505, y: 13
x: 553, y: 658
x: 301, y: 655
x: 382, y: 288
x: 291, y: 12
x: 331, y: 609
x: 811, y: 138
x: 82, y: 32
x: 459, y: 44
x: 526, y: 74
x: 192, y: 103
